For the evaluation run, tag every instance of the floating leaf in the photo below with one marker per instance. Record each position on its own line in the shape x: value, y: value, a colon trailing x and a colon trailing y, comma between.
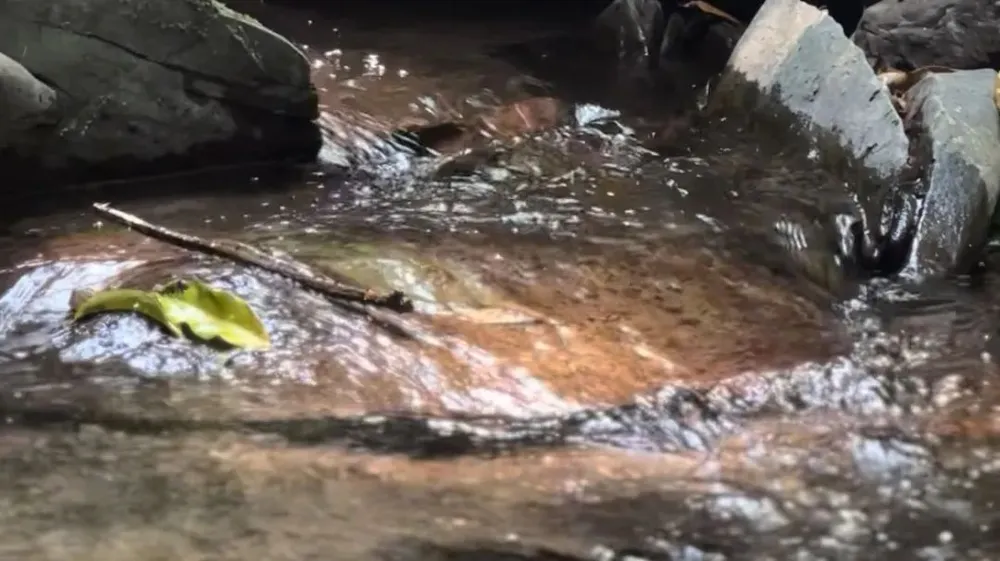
x: 184, y: 306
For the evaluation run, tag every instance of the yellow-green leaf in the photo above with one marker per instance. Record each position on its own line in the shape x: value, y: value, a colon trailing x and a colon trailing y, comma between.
x: 209, y: 314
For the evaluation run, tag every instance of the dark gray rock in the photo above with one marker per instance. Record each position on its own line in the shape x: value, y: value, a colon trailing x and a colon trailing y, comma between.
x: 650, y: 30
x: 633, y: 27
x: 960, y: 140
x: 24, y: 100
x: 157, y: 85
x: 962, y: 34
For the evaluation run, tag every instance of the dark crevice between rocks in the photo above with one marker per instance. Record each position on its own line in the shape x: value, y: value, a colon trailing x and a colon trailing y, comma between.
x: 416, y: 437
x: 412, y: 550
x: 903, y: 204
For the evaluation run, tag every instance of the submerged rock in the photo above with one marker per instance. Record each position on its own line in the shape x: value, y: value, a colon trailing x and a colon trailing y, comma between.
x: 959, y: 138
x: 510, y: 329
x: 807, y: 487
x: 157, y: 85
x: 955, y: 33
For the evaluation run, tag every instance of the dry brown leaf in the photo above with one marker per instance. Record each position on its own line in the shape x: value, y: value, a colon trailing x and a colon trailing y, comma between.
x: 712, y: 10
x: 901, y: 80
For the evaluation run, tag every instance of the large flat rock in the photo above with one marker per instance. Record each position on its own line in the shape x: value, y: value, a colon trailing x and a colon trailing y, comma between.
x: 960, y: 141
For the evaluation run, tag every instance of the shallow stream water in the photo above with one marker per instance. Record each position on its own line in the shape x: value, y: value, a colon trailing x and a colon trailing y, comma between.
x: 634, y: 339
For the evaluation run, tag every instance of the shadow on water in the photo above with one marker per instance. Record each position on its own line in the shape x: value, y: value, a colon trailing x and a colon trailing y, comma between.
x: 636, y: 341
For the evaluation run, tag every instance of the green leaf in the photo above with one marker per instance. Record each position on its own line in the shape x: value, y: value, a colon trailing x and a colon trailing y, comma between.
x: 207, y: 313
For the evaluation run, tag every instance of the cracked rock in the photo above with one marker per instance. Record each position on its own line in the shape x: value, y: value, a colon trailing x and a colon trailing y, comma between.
x: 147, y: 86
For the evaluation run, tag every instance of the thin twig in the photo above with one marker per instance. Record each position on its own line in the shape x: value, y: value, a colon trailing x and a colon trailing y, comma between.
x: 350, y: 297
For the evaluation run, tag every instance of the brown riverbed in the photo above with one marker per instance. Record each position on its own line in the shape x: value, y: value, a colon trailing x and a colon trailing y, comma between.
x: 751, y: 401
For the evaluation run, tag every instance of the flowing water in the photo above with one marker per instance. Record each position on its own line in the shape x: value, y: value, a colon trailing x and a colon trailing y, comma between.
x: 634, y: 339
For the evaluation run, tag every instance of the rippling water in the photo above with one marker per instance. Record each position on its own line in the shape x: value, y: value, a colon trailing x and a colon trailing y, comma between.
x: 659, y: 302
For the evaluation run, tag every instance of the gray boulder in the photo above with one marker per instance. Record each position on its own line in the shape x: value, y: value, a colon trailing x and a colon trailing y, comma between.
x: 795, y: 70
x: 24, y: 100
x: 955, y: 33
x: 959, y: 139
x: 156, y: 85
x: 794, y: 64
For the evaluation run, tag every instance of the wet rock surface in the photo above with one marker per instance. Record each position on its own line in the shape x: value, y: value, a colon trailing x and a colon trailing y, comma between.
x: 527, y: 330
x: 25, y: 100
x: 152, y: 86
x: 954, y: 33
x: 822, y: 487
x: 960, y: 139
x: 796, y: 63
x: 794, y: 72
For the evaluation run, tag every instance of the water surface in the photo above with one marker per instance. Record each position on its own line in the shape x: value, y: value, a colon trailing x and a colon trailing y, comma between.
x: 644, y: 313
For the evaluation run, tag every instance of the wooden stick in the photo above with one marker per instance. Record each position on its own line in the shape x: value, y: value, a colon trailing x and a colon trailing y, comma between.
x: 353, y: 298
